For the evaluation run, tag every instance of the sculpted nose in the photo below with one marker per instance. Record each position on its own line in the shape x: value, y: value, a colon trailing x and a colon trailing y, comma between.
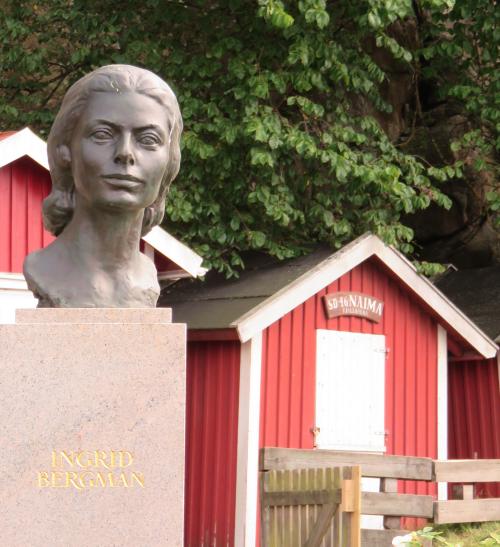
x: 124, y: 153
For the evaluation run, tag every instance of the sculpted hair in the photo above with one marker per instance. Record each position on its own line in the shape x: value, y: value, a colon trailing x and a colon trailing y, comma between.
x: 59, y: 205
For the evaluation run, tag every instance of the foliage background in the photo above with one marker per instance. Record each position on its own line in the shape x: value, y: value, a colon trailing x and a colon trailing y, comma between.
x: 294, y: 131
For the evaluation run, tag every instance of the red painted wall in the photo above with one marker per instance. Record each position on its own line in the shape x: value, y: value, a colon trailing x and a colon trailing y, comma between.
x: 474, y: 415
x: 211, y: 442
x: 23, y: 186
x: 289, y: 363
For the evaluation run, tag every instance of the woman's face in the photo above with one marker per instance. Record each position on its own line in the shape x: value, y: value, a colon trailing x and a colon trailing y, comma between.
x: 119, y: 151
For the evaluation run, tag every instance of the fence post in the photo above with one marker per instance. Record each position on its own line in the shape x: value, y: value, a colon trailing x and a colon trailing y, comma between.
x: 351, y: 507
x: 390, y: 486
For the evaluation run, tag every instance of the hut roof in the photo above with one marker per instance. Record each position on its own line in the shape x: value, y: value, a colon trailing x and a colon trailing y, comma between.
x: 217, y: 302
x: 269, y: 290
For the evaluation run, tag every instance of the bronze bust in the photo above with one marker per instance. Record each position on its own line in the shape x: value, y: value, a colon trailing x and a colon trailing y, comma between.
x: 114, y: 149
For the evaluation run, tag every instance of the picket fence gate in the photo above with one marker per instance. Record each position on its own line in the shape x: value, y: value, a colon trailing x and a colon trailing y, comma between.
x: 311, y: 507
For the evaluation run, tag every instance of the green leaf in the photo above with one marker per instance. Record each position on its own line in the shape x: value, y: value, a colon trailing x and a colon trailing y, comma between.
x: 322, y: 18
x: 328, y: 218
x: 374, y: 20
x: 257, y: 239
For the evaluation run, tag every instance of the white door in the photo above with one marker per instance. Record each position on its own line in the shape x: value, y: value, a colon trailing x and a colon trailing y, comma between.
x: 350, y: 386
x: 350, y: 391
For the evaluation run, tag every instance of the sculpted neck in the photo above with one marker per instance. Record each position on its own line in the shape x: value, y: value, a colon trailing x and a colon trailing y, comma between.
x: 103, y: 238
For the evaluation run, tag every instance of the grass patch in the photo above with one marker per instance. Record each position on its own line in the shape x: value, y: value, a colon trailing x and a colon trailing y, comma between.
x: 470, y: 535
x: 453, y: 535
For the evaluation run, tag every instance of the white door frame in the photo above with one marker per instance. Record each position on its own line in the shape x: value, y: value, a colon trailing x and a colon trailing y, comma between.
x: 442, y: 404
x: 247, y: 470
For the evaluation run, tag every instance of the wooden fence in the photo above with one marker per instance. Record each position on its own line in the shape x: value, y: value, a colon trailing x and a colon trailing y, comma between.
x: 466, y: 509
x: 388, y: 502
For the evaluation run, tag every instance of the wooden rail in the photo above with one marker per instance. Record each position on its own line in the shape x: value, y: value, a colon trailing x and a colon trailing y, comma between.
x: 390, y: 468
x: 374, y: 465
x: 409, y: 505
x: 475, y: 510
x: 467, y: 470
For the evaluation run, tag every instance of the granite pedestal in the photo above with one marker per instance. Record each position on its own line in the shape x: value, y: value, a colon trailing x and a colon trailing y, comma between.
x: 92, y: 414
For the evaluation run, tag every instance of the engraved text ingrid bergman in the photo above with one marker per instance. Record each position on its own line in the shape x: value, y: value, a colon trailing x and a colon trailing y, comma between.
x: 90, y: 469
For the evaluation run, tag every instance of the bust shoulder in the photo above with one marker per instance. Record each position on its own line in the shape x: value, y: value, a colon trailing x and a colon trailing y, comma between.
x: 150, y: 275
x: 80, y: 286
x: 38, y: 270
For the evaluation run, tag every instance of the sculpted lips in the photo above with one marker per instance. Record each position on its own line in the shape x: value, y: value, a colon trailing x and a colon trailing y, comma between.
x: 122, y: 180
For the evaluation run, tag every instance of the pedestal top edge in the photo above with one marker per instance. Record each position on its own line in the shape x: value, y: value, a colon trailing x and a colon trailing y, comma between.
x: 94, y: 315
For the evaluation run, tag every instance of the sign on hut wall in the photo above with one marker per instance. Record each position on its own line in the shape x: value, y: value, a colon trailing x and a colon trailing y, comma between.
x: 353, y: 303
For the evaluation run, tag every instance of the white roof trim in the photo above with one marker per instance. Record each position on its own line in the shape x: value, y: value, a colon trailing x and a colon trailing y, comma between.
x: 13, y: 281
x: 26, y: 143
x: 23, y: 143
x: 176, y: 251
x: 326, y: 272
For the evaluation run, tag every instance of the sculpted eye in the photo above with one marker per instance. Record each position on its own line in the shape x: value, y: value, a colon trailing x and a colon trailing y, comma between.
x: 102, y: 134
x: 149, y: 139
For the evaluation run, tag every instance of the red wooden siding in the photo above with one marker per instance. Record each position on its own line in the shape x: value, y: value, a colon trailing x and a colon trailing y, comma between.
x: 211, y: 442
x: 289, y: 362
x: 474, y: 415
x: 23, y: 186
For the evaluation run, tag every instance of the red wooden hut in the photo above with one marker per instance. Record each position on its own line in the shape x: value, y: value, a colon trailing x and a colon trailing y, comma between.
x: 24, y: 183
x: 344, y: 351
